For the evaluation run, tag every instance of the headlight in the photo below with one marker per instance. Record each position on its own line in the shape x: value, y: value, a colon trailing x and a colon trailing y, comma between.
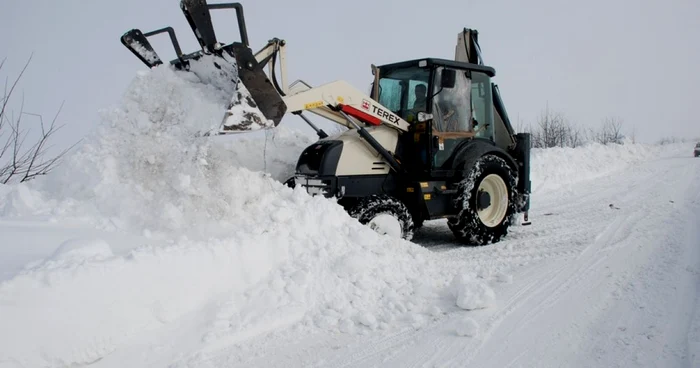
x: 423, y: 117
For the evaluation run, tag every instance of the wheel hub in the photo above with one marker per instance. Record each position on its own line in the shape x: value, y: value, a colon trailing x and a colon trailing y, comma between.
x: 386, y: 224
x: 484, y: 200
x: 492, y: 200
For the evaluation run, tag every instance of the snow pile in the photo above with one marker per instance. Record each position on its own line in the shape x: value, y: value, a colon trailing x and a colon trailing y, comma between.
x: 308, y: 266
x: 227, y: 251
x: 147, y: 167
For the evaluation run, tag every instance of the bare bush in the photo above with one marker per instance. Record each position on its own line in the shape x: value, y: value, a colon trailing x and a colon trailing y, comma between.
x: 21, y: 161
x: 609, y: 132
x: 554, y: 130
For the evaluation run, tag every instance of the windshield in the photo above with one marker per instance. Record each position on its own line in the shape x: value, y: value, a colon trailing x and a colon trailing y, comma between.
x: 404, y: 90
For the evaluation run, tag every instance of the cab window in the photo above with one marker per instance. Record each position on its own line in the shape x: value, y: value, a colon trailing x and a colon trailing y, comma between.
x: 404, y: 91
x: 451, y: 105
x: 482, y: 104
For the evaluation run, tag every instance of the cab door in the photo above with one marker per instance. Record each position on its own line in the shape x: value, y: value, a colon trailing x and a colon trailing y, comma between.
x: 452, y: 112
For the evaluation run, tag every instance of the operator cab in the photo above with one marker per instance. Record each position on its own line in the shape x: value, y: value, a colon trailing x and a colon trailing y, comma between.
x: 446, y: 102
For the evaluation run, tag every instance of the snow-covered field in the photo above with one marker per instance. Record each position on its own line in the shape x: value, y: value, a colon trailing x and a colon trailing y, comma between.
x: 153, y: 246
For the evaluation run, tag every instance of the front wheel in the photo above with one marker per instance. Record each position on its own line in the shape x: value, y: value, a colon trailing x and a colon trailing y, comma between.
x: 485, y: 202
x: 291, y: 182
x: 384, y: 214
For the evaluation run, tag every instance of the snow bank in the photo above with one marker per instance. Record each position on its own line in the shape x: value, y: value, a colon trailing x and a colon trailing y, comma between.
x: 227, y: 251
x: 304, y: 263
x: 554, y: 168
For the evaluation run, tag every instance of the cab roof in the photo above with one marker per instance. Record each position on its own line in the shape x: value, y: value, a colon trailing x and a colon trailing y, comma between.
x: 430, y: 62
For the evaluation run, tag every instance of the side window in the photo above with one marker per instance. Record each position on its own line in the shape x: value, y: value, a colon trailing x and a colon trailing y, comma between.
x: 390, y: 93
x: 452, y: 106
x: 481, y: 104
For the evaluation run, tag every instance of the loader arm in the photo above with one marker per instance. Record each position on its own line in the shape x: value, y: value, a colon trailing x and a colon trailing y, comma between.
x: 268, y: 56
x: 336, y: 100
x: 326, y: 100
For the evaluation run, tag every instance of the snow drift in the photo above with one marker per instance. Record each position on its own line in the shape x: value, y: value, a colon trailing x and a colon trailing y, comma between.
x: 558, y: 167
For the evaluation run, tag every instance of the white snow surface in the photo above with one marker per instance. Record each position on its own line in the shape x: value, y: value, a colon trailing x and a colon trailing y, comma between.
x: 154, y: 246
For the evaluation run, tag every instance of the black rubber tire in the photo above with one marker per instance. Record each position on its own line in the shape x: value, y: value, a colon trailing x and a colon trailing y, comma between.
x: 467, y: 226
x: 417, y: 223
x: 291, y: 182
x: 369, y: 207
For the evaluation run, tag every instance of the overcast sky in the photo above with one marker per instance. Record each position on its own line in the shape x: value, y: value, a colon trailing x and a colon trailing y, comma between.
x: 638, y: 60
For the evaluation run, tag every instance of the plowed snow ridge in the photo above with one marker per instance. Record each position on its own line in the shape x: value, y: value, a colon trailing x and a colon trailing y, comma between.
x: 226, y: 249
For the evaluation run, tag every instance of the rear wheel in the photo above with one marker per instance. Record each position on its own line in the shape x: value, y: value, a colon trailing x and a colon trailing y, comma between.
x: 384, y: 214
x: 485, y: 202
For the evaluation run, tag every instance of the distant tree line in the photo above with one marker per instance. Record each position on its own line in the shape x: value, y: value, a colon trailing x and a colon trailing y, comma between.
x: 553, y: 129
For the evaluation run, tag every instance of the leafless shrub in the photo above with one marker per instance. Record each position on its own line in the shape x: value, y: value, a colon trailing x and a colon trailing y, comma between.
x: 554, y: 130
x: 21, y: 161
x: 609, y: 132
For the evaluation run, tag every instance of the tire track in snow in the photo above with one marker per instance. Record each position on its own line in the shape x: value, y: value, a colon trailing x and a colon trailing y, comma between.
x: 545, y: 248
x: 591, y: 259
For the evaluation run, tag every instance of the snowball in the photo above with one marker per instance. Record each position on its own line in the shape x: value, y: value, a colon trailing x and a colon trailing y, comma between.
x: 471, y: 293
x: 467, y: 327
x: 367, y: 319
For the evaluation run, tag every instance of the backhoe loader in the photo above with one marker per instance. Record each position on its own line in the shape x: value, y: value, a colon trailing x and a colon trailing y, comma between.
x: 432, y: 140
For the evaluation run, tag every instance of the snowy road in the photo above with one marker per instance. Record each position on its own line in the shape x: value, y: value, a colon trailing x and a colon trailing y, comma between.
x: 597, y: 286
x: 607, y: 275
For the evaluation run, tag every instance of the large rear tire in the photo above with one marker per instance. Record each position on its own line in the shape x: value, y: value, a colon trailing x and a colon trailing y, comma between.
x: 384, y: 214
x: 485, y: 202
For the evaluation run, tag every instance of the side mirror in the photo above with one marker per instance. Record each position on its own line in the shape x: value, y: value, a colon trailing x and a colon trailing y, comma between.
x: 447, y: 78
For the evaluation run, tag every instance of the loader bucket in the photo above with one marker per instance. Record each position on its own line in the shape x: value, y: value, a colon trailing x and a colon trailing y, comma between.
x: 255, y: 93
x: 256, y: 103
